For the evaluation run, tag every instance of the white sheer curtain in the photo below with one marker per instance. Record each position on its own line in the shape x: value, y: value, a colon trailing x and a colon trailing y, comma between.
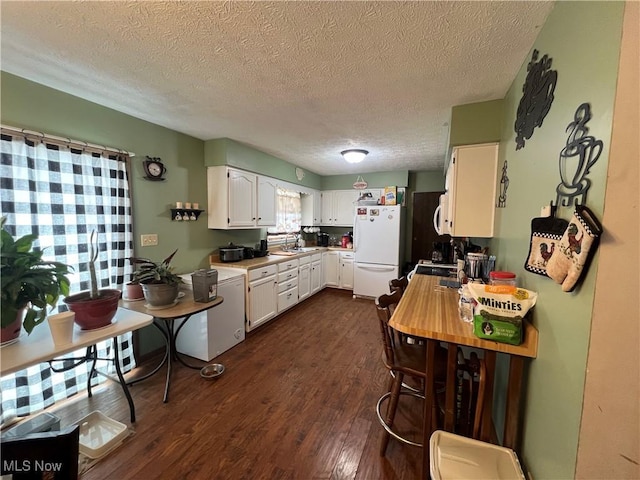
x: 61, y: 195
x: 289, y: 213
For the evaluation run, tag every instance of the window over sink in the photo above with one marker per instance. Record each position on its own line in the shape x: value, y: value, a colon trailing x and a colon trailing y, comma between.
x: 288, y: 217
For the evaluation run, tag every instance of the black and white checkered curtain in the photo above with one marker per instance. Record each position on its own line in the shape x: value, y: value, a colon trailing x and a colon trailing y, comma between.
x: 61, y: 195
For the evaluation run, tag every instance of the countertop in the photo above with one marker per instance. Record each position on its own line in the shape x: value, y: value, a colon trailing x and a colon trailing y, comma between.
x: 271, y: 259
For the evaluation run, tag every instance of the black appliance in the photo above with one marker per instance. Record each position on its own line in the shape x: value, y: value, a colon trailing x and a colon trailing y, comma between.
x: 323, y: 240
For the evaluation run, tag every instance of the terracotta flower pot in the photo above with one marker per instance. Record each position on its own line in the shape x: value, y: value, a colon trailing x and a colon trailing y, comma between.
x: 97, y: 313
x: 12, y: 331
x: 133, y: 291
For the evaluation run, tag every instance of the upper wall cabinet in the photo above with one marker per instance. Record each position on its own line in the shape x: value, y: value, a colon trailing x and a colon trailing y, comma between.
x: 338, y: 207
x: 471, y: 190
x: 267, y: 201
x: 238, y: 199
x: 311, y: 208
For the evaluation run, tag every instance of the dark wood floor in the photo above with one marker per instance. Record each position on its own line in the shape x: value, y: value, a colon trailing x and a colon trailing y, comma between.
x: 296, y: 402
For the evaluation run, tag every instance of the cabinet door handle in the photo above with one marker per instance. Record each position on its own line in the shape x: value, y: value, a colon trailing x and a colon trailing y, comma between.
x: 259, y: 218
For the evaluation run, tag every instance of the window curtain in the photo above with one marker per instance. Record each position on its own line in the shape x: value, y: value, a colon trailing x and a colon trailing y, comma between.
x: 289, y: 212
x: 61, y: 195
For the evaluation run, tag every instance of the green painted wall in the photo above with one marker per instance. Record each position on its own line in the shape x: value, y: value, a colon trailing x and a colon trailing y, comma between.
x: 224, y: 151
x: 583, y: 39
x: 426, y: 181
x: 476, y: 123
x: 399, y: 178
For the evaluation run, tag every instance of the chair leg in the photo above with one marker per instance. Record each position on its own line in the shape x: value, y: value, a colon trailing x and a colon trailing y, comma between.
x: 391, y: 411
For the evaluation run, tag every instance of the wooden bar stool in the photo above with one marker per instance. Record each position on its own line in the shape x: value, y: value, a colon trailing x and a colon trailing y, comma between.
x: 398, y: 284
x: 402, y: 359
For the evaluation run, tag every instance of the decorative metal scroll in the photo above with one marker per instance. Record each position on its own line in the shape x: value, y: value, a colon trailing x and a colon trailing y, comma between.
x: 504, y: 184
x: 576, y: 158
x: 537, y: 96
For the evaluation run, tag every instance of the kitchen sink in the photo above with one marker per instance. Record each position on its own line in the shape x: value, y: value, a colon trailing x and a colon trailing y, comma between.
x: 294, y: 250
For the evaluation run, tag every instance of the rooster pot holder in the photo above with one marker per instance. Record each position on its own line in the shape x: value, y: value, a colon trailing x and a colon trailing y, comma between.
x: 546, y: 233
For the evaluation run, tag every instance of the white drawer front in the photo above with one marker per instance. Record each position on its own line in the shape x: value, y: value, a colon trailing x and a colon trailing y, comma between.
x: 304, y: 260
x: 287, y: 299
x: 262, y: 272
x: 287, y: 276
x: 316, y: 257
x: 347, y: 255
x: 288, y: 284
x: 288, y: 265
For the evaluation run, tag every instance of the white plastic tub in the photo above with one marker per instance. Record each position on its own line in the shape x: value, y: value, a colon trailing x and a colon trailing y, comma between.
x: 100, y: 434
x: 457, y: 457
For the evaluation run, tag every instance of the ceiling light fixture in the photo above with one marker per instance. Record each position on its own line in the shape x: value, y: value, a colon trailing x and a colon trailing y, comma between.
x: 354, y: 155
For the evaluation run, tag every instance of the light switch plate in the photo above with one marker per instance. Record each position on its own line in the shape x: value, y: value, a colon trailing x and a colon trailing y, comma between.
x: 149, y: 239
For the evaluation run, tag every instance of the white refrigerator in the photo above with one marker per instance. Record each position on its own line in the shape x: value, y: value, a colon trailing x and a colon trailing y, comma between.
x: 376, y: 242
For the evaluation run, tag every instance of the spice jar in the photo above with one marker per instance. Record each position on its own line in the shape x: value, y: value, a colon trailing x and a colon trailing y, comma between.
x: 502, y: 278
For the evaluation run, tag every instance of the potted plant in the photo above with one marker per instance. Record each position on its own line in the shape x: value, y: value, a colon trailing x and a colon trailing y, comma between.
x: 160, y: 285
x: 28, y: 284
x: 97, y: 307
x: 133, y: 289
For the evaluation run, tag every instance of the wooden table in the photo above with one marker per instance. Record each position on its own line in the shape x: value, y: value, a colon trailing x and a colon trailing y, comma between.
x: 430, y: 311
x: 164, y: 319
x: 39, y: 347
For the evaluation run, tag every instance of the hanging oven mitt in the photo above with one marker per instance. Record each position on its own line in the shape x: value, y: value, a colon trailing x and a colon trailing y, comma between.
x: 578, y: 243
x: 546, y: 233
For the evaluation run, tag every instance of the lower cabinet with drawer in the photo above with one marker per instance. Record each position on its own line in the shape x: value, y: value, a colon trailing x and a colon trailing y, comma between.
x: 287, y: 284
x: 304, y: 278
x: 262, y: 296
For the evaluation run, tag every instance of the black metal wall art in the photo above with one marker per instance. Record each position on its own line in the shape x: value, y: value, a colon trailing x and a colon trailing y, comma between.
x: 537, y: 96
x: 576, y: 158
x: 504, y: 184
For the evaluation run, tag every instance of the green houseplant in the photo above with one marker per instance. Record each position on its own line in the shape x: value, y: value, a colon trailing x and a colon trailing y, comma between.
x: 159, y: 284
x: 28, y: 283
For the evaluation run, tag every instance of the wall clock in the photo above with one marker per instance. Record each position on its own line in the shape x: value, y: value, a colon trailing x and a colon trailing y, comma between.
x: 153, y: 168
x: 299, y: 173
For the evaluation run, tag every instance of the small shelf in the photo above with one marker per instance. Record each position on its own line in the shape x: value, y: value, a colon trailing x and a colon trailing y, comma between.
x: 189, y: 212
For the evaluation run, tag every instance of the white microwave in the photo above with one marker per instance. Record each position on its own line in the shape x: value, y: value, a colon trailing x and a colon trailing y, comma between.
x: 440, y: 220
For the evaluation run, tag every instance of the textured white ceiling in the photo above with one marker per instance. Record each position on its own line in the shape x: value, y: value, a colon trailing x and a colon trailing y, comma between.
x: 299, y: 80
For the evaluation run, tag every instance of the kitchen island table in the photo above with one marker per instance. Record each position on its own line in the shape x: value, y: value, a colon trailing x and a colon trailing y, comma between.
x: 430, y: 311
x: 163, y: 320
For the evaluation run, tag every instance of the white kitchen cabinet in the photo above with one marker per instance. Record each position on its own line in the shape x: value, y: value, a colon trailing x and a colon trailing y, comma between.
x: 338, y: 207
x: 242, y: 199
x: 311, y: 204
x: 338, y: 269
x: 330, y: 263
x: 326, y: 208
x: 346, y: 270
x: 267, y: 203
x: 304, y: 281
x: 262, y: 296
x: 471, y: 184
x: 239, y: 199
x: 316, y: 274
x: 287, y: 284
